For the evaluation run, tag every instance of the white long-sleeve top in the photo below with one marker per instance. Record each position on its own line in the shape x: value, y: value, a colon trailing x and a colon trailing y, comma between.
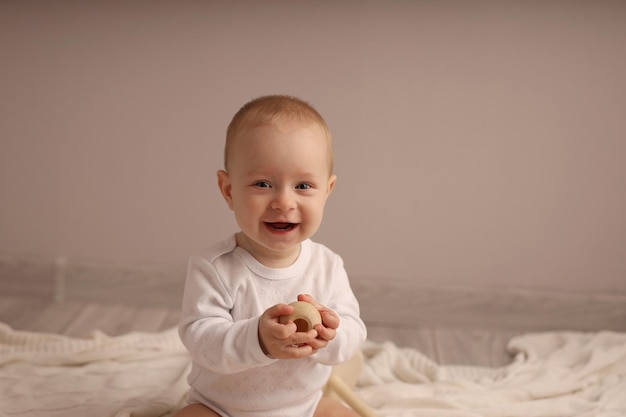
x: 226, y: 292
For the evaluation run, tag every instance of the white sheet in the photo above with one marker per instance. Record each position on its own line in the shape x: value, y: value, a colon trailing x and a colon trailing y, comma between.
x: 554, y: 374
x: 144, y: 374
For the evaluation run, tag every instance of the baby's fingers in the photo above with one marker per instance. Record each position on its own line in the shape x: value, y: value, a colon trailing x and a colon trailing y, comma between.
x: 325, y: 333
x: 300, y: 344
x: 330, y: 319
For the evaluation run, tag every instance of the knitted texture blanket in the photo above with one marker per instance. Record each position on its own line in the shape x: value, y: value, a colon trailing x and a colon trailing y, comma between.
x: 137, y: 374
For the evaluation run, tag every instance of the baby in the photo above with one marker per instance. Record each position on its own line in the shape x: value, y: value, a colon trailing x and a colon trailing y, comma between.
x: 277, y: 177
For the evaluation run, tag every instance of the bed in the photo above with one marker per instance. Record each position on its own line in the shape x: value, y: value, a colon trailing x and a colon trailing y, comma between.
x: 73, y: 350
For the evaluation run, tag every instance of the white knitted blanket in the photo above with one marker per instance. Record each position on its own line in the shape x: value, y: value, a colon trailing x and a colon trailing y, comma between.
x: 144, y: 375
x: 47, y: 375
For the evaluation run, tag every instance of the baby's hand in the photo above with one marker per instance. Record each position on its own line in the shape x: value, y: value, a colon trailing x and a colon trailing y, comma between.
x: 282, y: 341
x: 330, y: 322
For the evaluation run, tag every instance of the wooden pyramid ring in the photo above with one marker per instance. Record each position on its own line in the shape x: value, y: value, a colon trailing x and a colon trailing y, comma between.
x: 304, y: 315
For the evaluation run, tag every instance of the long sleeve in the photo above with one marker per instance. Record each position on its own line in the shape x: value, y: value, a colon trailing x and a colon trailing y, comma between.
x: 352, y: 331
x: 215, y: 341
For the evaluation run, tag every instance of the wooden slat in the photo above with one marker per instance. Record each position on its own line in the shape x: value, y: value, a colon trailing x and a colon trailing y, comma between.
x: 480, y: 347
x: 149, y: 319
x: 53, y: 317
x: 110, y: 319
x: 171, y: 320
x: 390, y: 303
x: 17, y: 312
x: 147, y: 287
x: 420, y: 339
x: 37, y: 315
x: 22, y: 277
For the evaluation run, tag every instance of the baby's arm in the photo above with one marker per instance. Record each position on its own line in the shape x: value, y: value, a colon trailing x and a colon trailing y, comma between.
x: 342, y: 331
x: 214, y: 338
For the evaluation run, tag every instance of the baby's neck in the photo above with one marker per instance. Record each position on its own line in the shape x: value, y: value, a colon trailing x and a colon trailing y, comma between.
x: 266, y: 257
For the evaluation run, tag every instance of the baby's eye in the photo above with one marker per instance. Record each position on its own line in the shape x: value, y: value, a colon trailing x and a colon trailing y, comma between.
x: 262, y: 184
x: 303, y: 186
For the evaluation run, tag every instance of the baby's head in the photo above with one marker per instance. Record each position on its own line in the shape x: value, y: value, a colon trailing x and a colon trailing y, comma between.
x: 274, y: 110
x: 277, y: 177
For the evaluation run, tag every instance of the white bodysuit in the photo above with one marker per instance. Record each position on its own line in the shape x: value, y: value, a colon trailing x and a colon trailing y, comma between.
x: 225, y: 294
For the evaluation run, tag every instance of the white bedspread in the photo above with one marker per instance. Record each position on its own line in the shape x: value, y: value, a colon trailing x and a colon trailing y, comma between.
x: 144, y: 374
x: 554, y: 374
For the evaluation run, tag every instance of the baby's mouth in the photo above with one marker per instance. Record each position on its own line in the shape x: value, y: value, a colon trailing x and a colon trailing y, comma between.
x: 281, y: 227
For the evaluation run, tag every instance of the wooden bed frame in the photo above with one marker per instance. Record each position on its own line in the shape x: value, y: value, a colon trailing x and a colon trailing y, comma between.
x: 75, y: 297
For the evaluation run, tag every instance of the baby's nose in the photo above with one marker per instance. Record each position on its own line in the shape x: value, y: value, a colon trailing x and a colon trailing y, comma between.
x: 284, y: 200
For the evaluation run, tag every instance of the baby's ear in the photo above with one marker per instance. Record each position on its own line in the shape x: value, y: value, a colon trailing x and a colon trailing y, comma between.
x: 331, y: 183
x: 223, y: 182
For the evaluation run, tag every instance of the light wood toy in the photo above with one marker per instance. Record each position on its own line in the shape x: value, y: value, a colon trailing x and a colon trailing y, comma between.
x: 344, y: 376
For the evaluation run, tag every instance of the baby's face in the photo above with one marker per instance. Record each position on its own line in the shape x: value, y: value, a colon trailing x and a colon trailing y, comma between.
x: 277, y: 185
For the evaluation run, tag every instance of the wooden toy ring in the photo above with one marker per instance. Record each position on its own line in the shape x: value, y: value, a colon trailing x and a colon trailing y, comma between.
x: 304, y: 315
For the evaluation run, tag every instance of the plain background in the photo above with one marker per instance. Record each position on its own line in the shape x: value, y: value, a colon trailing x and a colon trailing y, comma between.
x: 477, y: 143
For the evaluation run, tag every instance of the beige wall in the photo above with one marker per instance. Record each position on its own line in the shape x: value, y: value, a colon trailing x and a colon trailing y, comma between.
x: 478, y: 143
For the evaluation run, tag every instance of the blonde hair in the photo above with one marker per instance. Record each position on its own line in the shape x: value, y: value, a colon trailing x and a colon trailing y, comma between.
x: 274, y: 109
